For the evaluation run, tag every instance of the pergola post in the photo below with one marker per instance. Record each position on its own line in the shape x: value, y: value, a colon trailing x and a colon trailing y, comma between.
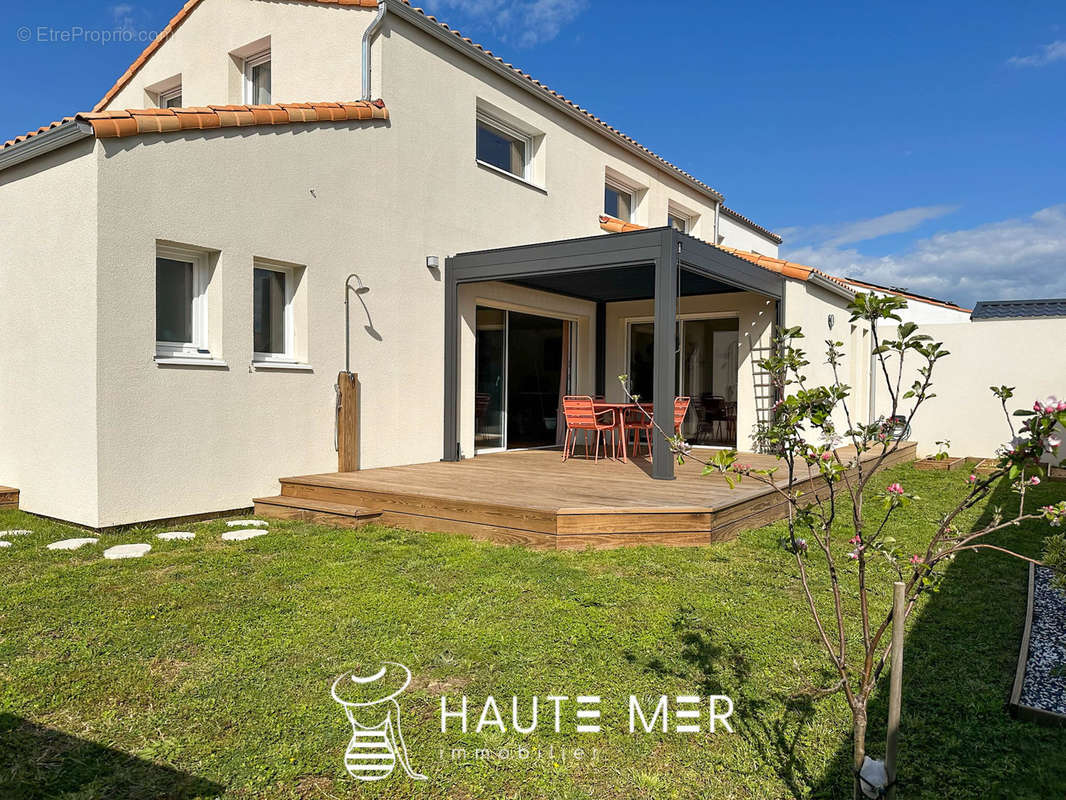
x: 451, y: 364
x: 665, y: 358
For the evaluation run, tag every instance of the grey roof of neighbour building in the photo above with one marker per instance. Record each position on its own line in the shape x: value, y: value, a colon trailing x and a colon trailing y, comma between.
x: 1019, y: 309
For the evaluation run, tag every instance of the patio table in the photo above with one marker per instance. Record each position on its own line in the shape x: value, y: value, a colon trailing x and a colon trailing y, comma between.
x: 620, y: 410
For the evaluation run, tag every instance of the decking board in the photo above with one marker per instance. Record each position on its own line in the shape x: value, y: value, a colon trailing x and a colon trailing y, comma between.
x: 535, y: 499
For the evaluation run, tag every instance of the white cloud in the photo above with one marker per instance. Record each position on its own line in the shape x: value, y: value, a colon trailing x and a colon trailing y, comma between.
x: 906, y: 219
x: 524, y: 23
x: 1049, y: 53
x: 1023, y: 257
x: 128, y: 17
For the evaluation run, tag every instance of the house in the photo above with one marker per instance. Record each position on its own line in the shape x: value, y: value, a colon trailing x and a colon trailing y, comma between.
x: 174, y: 264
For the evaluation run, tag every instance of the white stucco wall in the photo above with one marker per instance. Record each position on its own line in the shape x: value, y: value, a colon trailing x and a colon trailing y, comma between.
x: 1026, y: 354
x: 338, y: 198
x: 736, y: 234
x: 48, y: 341
x: 314, y: 49
x: 923, y: 313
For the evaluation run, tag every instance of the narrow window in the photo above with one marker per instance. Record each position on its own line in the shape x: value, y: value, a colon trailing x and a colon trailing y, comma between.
x: 171, y: 98
x: 618, y: 202
x: 272, y: 323
x: 181, y: 279
x: 503, y: 147
x: 257, y: 79
x: 677, y: 222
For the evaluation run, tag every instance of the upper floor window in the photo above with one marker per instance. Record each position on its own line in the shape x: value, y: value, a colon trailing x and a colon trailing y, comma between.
x: 181, y: 280
x: 618, y: 201
x: 171, y: 98
x: 257, y: 79
x: 677, y: 222
x: 503, y: 146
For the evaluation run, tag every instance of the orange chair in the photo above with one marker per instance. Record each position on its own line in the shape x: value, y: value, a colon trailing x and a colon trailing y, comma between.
x: 681, y: 405
x: 580, y: 415
x: 640, y: 422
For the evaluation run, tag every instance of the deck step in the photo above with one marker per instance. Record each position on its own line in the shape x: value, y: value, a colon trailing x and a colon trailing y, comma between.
x: 305, y: 509
x: 9, y: 497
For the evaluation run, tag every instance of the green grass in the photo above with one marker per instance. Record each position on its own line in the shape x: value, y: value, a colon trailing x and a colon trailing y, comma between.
x: 204, y: 668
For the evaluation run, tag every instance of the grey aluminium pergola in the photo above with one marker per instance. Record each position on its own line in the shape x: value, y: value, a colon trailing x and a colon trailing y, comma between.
x: 658, y: 263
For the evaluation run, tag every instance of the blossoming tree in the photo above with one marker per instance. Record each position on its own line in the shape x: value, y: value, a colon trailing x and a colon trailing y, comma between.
x: 809, y: 423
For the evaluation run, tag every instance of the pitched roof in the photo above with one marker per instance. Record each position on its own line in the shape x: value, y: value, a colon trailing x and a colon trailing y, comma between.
x: 472, y: 48
x: 133, y: 122
x: 789, y: 269
x: 173, y: 25
x: 1019, y: 309
x: 750, y: 223
x: 921, y: 298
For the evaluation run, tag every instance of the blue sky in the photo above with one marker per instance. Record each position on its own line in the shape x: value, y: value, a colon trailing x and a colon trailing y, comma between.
x: 917, y: 144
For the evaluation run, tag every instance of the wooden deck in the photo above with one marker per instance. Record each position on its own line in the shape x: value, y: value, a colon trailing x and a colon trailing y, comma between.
x: 9, y: 497
x: 533, y: 498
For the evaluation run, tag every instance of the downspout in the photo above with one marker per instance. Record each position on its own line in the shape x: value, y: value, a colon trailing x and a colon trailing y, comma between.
x: 717, y: 211
x: 368, y: 34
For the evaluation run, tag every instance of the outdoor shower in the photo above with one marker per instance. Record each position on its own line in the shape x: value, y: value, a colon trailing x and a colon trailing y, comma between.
x: 348, y: 289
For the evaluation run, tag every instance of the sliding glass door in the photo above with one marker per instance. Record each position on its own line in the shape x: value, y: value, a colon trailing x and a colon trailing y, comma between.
x: 523, y: 367
x: 490, y: 420
x: 706, y: 371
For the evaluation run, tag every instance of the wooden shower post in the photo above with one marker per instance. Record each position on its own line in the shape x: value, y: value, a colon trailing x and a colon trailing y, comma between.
x: 348, y: 422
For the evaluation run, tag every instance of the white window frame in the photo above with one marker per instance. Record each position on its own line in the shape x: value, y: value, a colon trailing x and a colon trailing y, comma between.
x: 201, y: 277
x: 683, y: 218
x: 254, y: 61
x: 288, y: 316
x: 491, y: 121
x: 621, y: 188
x: 167, y: 95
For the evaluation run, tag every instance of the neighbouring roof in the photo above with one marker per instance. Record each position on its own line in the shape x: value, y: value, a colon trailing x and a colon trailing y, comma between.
x: 789, y: 269
x: 1019, y: 309
x: 921, y: 298
x: 750, y: 223
x: 133, y: 122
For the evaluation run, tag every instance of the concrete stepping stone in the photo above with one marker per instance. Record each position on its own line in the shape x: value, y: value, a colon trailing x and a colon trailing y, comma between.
x: 171, y: 536
x: 240, y: 536
x: 4, y: 544
x: 247, y: 523
x: 17, y: 532
x: 126, y: 551
x: 71, y: 544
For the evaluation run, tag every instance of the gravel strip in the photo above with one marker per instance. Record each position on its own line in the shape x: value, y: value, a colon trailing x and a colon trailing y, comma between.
x: 1045, y: 669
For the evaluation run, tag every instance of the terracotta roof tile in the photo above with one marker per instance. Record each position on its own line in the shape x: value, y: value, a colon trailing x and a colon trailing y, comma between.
x: 790, y: 269
x: 904, y: 293
x: 136, y: 121
x: 40, y: 130
x: 173, y: 25
x: 189, y: 6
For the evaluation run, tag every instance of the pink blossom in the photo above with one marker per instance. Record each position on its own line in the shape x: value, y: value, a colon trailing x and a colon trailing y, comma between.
x: 916, y: 559
x: 827, y: 456
x: 854, y: 554
x: 1053, y: 441
x: 895, y: 489
x: 1034, y: 481
x: 972, y: 478
x: 856, y: 539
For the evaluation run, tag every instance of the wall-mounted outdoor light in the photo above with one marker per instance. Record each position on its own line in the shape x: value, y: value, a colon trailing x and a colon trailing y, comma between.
x: 432, y: 262
x: 832, y: 320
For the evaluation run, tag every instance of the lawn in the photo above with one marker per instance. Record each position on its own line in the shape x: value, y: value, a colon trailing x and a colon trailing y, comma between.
x: 203, y: 669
